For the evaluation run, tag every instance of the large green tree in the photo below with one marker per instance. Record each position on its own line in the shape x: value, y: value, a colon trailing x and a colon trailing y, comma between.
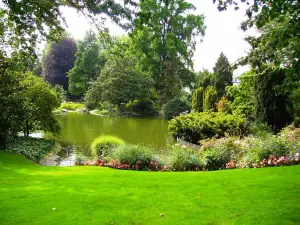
x: 24, y: 23
x: 166, y: 32
x: 243, y: 95
x: 10, y: 100
x: 90, y: 59
x: 222, y: 74
x: 39, y: 100
x: 58, y: 60
x: 120, y: 82
x: 271, y: 103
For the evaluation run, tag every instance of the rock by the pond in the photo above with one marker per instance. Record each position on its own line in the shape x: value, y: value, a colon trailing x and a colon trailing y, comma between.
x: 82, y: 110
x: 64, y: 110
x: 50, y: 160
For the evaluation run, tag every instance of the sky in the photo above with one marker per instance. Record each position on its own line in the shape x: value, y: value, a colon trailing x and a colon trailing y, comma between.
x: 222, y: 33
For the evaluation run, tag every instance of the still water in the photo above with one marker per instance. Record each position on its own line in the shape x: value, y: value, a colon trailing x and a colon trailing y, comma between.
x: 81, y: 129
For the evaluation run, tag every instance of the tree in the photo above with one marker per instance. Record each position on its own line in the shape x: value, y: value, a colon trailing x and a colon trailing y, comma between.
x: 176, y: 107
x: 204, y: 79
x: 271, y: 104
x: 10, y: 101
x: 197, y: 100
x: 166, y: 33
x: 90, y: 59
x: 279, y: 24
x: 222, y: 74
x: 210, y: 99
x: 58, y: 60
x: 39, y: 100
x: 24, y: 23
x: 243, y: 95
x: 120, y: 82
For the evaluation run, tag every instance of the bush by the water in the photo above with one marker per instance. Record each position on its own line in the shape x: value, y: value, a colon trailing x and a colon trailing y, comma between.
x: 194, y: 127
x: 175, y: 107
x: 144, y: 107
x: 33, y: 148
x: 72, y: 106
x: 104, y: 145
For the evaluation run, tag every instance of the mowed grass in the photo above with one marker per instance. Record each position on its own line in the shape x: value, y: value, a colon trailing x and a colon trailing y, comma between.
x: 96, y: 195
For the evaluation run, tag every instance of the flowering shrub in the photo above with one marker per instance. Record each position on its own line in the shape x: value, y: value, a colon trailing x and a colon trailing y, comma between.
x: 271, y: 160
x: 184, y: 159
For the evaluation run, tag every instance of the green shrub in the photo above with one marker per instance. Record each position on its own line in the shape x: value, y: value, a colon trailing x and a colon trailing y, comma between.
x: 184, y: 159
x: 273, y: 145
x: 175, y: 107
x: 71, y: 106
x: 104, y: 145
x: 216, y: 158
x: 194, y: 127
x: 33, y: 148
x: 135, y: 156
x: 144, y: 107
x: 260, y: 130
x: 232, y: 145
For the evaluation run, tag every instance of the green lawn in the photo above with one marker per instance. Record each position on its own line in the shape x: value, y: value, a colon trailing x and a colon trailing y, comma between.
x: 96, y: 195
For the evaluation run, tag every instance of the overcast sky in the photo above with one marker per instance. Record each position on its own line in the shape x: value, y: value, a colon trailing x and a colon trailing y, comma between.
x: 222, y: 33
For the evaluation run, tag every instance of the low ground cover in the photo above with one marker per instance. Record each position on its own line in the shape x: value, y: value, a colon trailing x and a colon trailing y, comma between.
x: 73, y: 106
x: 34, y: 194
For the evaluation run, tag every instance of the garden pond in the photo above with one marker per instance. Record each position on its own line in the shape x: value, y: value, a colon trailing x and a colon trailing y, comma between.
x: 80, y: 129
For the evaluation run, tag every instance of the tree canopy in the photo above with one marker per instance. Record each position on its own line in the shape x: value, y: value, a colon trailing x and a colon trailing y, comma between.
x: 58, y: 60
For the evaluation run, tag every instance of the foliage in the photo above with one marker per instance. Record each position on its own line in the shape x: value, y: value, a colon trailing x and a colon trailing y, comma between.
x: 194, y: 127
x: 184, y: 159
x: 294, y: 99
x: 73, y: 106
x: 39, y: 100
x: 243, y: 95
x: 120, y: 82
x: 230, y: 146
x: 24, y: 23
x: 58, y: 59
x: 135, y: 156
x: 271, y: 103
x: 175, y: 107
x: 261, y: 130
x: 204, y: 79
x: 224, y: 105
x: 210, y: 99
x: 10, y: 101
x: 222, y: 76
x: 33, y: 148
x: 61, y: 93
x: 216, y: 158
x: 166, y: 33
x: 104, y: 146
x: 143, y: 107
x: 197, y: 100
x: 90, y: 59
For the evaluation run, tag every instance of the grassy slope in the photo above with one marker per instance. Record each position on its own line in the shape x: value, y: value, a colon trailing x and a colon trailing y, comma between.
x: 95, y: 195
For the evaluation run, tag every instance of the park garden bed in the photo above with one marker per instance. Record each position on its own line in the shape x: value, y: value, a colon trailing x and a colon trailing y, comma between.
x: 229, y: 152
